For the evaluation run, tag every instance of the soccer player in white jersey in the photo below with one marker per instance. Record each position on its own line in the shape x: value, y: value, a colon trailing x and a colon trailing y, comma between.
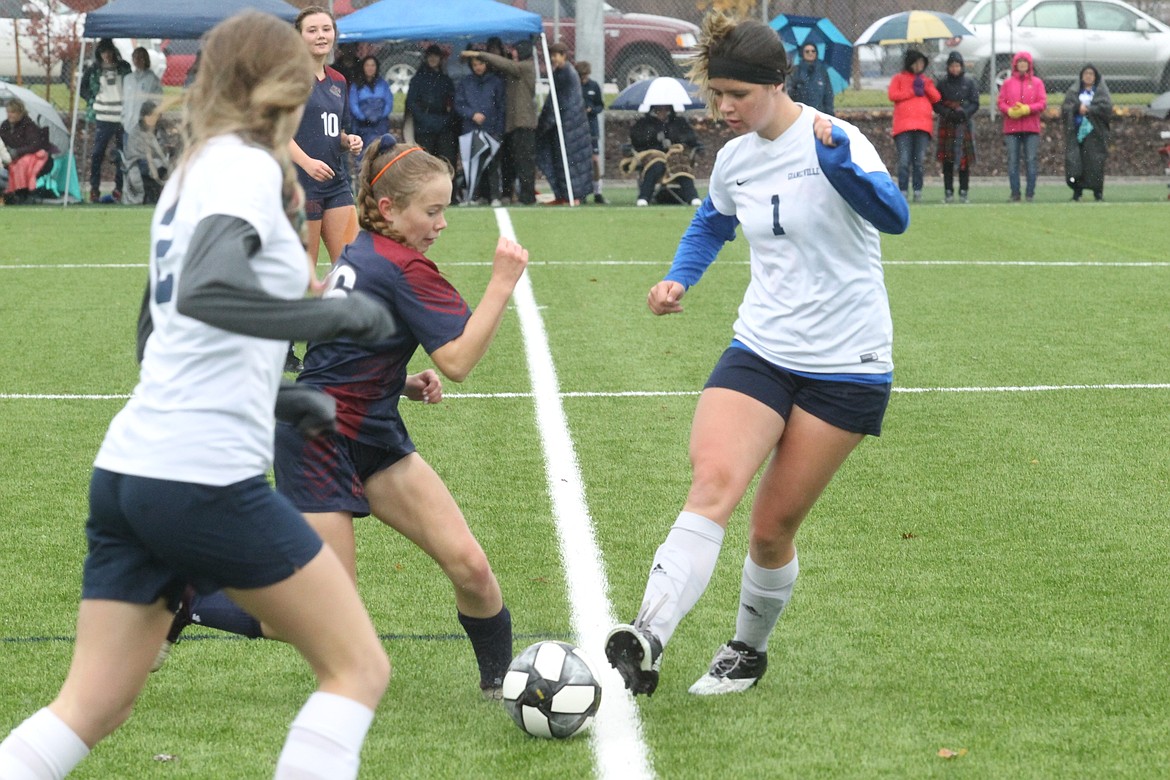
x: 807, y: 375
x: 179, y: 492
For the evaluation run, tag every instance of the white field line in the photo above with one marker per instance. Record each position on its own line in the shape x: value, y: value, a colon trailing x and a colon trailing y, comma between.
x: 618, y: 747
x: 649, y: 393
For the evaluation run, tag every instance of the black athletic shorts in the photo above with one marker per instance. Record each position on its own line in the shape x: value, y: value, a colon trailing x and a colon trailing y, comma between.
x: 851, y: 406
x: 150, y: 537
x: 327, y: 473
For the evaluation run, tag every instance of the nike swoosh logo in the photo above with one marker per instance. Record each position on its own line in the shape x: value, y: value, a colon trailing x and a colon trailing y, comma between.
x: 741, y: 182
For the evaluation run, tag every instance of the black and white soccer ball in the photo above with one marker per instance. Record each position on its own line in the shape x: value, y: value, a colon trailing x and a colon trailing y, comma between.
x: 551, y: 690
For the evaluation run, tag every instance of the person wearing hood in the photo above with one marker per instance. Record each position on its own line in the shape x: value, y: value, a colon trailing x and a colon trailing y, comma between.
x: 959, y: 100
x: 809, y: 81
x: 1022, y: 99
x: 518, y: 155
x: 659, y: 130
x: 1086, y: 111
x: 479, y: 101
x: 913, y: 95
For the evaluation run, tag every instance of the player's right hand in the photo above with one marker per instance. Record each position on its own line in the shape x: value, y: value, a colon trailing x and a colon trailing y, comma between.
x: 319, y: 171
x: 664, y: 298
x: 510, y: 261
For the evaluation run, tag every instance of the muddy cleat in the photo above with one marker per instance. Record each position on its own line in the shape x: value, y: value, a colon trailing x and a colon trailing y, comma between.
x: 735, y: 667
x: 182, y: 619
x: 637, y: 655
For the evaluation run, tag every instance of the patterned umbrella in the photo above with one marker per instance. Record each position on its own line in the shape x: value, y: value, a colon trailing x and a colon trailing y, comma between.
x: 833, y: 48
x: 681, y: 94
x: 477, y: 148
x: 912, y: 27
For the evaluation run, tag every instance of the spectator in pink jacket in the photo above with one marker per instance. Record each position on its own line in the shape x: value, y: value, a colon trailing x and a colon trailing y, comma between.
x: 913, y: 96
x: 1022, y: 99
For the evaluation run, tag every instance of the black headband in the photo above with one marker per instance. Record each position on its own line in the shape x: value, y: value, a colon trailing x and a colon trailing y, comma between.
x: 727, y: 68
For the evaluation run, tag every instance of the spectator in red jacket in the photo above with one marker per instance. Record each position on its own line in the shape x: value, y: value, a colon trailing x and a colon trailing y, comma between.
x: 913, y: 96
x: 1022, y: 99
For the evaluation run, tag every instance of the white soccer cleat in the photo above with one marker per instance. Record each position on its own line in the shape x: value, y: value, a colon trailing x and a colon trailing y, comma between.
x: 735, y: 668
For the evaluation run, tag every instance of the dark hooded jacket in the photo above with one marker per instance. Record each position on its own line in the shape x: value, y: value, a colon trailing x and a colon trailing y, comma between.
x: 1086, y: 150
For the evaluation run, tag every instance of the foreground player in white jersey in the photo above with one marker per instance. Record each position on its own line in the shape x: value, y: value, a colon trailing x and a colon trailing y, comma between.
x: 808, y: 372
x: 179, y: 492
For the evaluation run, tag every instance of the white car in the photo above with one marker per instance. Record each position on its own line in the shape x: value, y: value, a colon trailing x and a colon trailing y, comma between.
x: 18, y: 37
x: 1130, y: 48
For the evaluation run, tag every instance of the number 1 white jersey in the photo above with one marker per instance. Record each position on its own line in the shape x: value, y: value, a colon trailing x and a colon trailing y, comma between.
x: 203, y: 409
x: 817, y: 298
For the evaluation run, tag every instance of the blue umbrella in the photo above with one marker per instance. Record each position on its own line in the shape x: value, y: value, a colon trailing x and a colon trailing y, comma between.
x: 681, y: 94
x: 833, y: 48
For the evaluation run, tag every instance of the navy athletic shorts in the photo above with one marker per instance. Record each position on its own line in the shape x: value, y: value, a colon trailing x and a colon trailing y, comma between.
x: 327, y: 474
x: 322, y: 196
x: 850, y: 406
x: 150, y: 537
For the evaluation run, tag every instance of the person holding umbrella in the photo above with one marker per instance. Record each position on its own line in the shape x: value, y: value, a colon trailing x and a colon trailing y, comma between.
x: 809, y: 82
x: 663, y: 144
x: 26, y: 149
x: 479, y: 101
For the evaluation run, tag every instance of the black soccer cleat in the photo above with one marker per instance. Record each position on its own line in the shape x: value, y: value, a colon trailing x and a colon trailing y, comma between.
x: 637, y: 655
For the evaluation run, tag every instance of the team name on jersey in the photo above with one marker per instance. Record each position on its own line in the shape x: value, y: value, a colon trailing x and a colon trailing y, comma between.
x: 806, y: 172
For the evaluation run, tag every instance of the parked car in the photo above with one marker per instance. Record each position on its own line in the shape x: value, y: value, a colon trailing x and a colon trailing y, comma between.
x: 180, y: 57
x: 19, y: 33
x: 637, y: 46
x: 1129, y: 47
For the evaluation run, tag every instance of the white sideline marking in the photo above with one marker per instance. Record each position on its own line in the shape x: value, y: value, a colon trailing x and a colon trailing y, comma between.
x: 649, y: 393
x: 618, y: 748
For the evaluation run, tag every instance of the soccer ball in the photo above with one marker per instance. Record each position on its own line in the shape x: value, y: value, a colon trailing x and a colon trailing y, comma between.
x: 551, y: 690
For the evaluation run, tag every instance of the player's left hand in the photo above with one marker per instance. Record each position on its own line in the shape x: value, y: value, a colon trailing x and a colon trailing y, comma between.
x: 355, y: 143
x: 425, y: 386
x: 823, y: 130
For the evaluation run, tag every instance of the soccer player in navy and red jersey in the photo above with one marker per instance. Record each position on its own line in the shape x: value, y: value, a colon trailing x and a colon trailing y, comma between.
x: 369, y: 465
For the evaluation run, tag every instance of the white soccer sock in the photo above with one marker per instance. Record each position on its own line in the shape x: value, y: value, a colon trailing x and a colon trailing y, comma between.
x: 41, y: 748
x: 681, y: 570
x: 325, y: 740
x: 763, y: 594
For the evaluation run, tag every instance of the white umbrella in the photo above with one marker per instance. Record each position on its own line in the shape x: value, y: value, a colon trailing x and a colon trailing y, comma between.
x: 680, y: 94
x: 477, y: 148
x: 41, y: 111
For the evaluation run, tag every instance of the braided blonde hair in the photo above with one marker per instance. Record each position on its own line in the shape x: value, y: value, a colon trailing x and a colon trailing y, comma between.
x: 411, y: 168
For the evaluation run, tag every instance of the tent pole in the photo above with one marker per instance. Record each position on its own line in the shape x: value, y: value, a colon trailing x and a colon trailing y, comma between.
x: 552, y: 92
x: 73, y: 128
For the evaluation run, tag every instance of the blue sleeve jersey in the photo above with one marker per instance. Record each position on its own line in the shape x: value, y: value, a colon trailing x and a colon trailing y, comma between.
x: 366, y: 380
x: 326, y: 115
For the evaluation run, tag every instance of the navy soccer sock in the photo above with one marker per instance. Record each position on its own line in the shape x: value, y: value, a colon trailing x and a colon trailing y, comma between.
x: 491, y: 638
x: 216, y: 610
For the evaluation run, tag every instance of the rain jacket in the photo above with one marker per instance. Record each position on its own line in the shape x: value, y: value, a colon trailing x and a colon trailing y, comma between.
x: 912, y: 112
x: 1026, y: 88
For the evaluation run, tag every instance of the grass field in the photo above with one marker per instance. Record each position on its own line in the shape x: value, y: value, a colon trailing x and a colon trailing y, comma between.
x: 988, y: 577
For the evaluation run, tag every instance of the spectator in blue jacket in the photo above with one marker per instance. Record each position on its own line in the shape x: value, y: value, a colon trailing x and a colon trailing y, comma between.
x: 370, y: 102
x: 430, y: 105
x: 809, y: 81
x: 594, y: 105
x: 479, y: 101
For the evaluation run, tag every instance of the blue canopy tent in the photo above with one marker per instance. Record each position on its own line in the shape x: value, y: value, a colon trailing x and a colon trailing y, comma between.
x: 173, y: 18
x: 449, y: 20
x: 165, y: 19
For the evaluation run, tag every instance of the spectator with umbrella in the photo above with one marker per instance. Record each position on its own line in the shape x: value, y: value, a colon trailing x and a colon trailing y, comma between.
x: 27, y: 151
x: 913, y: 96
x: 809, y: 82
x: 479, y: 101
